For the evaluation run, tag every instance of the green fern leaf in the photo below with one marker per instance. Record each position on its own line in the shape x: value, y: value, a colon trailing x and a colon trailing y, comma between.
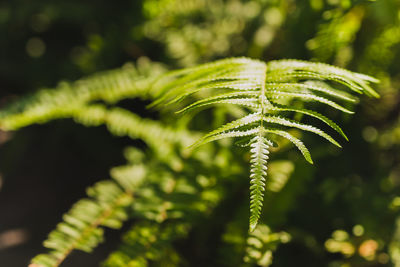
x: 265, y: 90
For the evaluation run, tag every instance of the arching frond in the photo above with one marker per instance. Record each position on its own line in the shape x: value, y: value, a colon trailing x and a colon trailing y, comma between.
x: 50, y: 104
x: 266, y: 90
x: 82, y: 226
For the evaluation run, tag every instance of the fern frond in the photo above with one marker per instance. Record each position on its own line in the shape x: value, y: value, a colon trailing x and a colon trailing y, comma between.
x: 110, y: 87
x: 82, y: 228
x: 259, y: 87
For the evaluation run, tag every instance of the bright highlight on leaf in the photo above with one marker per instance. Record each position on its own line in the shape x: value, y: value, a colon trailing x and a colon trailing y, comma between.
x: 271, y: 92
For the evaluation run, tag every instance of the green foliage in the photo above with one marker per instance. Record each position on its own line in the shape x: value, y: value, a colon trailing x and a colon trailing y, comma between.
x: 395, y: 246
x: 192, y: 208
x: 334, y: 37
x: 191, y: 34
x: 261, y: 243
x: 268, y: 91
x: 67, y: 98
x: 167, y: 202
x: 148, y: 242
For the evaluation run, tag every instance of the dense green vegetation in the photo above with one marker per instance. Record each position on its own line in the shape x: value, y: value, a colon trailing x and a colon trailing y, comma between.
x: 179, y: 205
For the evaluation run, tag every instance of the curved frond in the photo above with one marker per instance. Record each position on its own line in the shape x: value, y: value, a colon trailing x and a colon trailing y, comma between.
x: 57, y: 103
x: 297, y: 142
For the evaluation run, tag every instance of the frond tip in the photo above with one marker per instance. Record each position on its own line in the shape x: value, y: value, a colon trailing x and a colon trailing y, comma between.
x: 258, y: 172
x: 269, y: 92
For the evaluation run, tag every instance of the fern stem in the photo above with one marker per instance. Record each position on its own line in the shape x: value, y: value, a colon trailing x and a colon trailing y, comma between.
x: 259, y: 155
